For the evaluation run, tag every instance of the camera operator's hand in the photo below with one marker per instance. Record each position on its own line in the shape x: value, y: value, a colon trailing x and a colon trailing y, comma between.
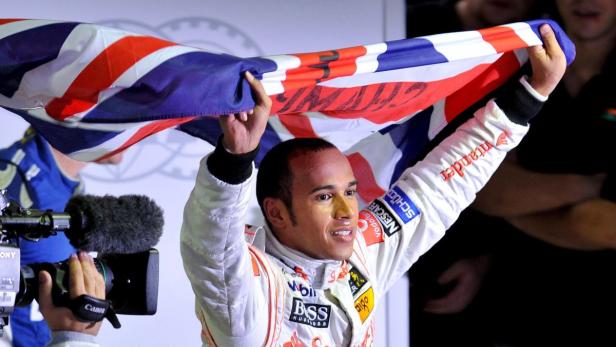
x: 84, y: 279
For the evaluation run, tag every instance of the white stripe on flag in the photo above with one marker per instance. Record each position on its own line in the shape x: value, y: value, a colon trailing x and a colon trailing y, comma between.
x: 135, y: 72
x: 437, y: 119
x: 22, y: 25
x: 335, y: 130
x: 41, y: 114
x: 427, y: 73
x: 279, y: 128
x: 369, y: 62
x: 94, y: 153
x: 525, y: 33
x: 461, y: 45
x: 382, y: 154
x: 51, y: 80
x: 338, y: 131
x: 272, y: 80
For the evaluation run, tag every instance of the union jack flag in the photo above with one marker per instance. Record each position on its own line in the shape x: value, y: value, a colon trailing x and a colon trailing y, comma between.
x: 93, y: 91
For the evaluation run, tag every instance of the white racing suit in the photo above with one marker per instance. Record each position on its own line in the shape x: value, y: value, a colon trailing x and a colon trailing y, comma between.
x: 253, y: 291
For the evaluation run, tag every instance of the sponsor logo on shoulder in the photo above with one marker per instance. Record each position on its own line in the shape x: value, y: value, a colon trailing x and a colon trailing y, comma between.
x: 384, y: 215
x: 402, y: 204
x: 356, y: 280
x: 315, y: 315
x: 370, y: 227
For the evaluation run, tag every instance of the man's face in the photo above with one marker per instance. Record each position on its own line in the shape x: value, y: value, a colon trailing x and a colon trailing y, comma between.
x: 588, y: 20
x: 325, y: 206
x: 497, y: 12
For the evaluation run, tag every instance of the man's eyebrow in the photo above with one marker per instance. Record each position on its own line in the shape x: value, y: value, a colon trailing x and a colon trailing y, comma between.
x: 325, y: 187
x: 331, y: 186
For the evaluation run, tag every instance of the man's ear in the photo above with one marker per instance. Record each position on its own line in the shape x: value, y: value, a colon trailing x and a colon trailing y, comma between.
x: 276, y: 213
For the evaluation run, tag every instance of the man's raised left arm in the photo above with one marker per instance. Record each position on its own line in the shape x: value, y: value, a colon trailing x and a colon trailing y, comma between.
x: 428, y: 197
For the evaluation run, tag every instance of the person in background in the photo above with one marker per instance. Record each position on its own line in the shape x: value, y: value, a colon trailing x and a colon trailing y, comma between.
x: 458, y: 258
x: 436, y: 17
x: 40, y: 177
x: 533, y: 264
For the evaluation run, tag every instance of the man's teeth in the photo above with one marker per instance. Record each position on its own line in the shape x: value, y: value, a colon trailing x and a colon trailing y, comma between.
x: 342, y: 232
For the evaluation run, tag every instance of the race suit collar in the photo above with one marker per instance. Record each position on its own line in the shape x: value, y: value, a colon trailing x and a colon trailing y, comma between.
x: 320, y: 273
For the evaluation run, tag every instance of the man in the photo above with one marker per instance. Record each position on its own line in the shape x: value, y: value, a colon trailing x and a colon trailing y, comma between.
x: 39, y: 177
x: 309, y: 277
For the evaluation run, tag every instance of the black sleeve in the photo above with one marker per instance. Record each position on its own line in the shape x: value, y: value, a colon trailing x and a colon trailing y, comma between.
x: 517, y: 103
x: 228, y: 167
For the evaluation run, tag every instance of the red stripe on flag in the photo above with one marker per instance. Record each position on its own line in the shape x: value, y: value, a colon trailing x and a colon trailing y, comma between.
x: 10, y: 20
x: 492, y: 78
x: 298, y: 125
x: 322, y: 66
x: 146, y: 131
x: 101, y: 73
x: 503, y: 39
x: 378, y: 103
x: 367, y: 187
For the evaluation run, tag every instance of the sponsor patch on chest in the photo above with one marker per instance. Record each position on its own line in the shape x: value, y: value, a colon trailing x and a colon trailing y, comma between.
x: 364, y: 304
x: 356, y: 281
x: 301, y: 289
x: 370, y: 227
x: 315, y: 315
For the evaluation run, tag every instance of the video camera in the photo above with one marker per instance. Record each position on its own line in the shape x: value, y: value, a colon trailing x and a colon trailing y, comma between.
x: 122, y: 230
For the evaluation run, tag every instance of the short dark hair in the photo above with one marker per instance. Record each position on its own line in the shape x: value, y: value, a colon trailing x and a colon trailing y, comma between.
x: 275, y: 178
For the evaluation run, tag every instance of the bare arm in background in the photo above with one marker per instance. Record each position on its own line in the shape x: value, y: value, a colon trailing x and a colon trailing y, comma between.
x: 589, y: 225
x: 514, y: 191
x: 562, y: 209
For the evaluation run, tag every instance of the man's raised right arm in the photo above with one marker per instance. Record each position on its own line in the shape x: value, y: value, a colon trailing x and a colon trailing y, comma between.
x: 230, y: 295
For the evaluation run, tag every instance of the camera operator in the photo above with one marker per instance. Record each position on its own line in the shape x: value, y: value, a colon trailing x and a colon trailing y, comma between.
x: 38, y: 176
x: 67, y: 330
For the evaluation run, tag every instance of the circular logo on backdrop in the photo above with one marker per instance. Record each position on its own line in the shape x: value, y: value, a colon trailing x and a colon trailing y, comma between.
x: 173, y: 153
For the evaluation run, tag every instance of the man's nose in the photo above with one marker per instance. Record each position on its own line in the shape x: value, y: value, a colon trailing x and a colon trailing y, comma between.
x: 342, y: 207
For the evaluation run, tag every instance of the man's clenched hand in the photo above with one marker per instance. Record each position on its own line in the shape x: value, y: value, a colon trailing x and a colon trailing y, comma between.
x: 548, y: 62
x: 242, y: 131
